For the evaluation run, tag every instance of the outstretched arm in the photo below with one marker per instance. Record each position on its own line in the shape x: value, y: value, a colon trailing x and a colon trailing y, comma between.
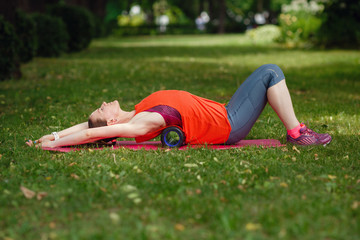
x: 140, y: 125
x: 71, y: 130
x: 126, y: 130
x: 76, y: 128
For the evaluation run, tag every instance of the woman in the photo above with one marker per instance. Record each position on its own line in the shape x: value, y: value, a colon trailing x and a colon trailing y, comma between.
x: 202, y: 120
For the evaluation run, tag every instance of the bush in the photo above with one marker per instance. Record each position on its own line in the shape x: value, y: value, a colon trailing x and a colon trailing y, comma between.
x: 52, y: 35
x: 79, y: 23
x: 8, y: 50
x: 341, y: 25
x: 264, y: 34
x: 300, y: 22
x: 26, y: 31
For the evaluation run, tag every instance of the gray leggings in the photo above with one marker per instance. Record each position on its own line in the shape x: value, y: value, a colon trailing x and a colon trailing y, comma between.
x: 249, y: 100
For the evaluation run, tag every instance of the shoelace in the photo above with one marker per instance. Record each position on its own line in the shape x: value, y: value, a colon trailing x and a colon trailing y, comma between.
x: 308, y: 131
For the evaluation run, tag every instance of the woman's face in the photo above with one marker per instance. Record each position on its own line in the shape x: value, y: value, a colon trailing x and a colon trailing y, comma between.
x: 107, y: 111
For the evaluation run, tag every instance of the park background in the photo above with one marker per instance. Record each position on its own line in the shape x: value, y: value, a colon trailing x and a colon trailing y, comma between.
x: 60, y: 59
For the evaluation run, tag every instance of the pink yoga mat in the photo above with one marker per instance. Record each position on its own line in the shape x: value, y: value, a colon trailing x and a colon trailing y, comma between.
x: 156, y: 145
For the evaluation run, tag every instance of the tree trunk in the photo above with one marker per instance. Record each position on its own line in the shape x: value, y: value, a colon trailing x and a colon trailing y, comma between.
x: 129, y: 2
x: 201, y: 6
x: 222, y: 16
x: 211, y: 9
x: 260, y: 6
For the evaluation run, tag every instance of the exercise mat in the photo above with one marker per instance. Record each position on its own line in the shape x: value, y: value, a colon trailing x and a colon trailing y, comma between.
x: 154, y: 145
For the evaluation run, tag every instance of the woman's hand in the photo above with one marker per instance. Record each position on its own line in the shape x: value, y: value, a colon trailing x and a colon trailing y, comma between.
x: 43, y: 139
x: 38, y: 144
x: 46, y: 138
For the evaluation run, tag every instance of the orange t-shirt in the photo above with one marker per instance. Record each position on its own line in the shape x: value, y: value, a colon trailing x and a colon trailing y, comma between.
x: 203, y: 120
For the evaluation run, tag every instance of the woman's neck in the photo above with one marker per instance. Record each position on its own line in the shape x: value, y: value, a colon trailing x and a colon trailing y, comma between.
x: 126, y: 116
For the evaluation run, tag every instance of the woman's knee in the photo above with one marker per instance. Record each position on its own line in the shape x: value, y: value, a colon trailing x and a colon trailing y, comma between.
x: 276, y: 74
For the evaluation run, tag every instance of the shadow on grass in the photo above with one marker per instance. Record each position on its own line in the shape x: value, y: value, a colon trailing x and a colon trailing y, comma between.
x: 174, y: 51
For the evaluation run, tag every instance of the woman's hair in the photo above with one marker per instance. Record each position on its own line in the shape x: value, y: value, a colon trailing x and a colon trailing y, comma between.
x: 100, y: 123
x: 96, y: 123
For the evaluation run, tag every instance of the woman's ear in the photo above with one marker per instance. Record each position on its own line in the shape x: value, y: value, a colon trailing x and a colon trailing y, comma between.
x: 111, y: 122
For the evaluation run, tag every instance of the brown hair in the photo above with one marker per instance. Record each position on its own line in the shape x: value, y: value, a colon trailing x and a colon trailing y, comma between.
x: 96, y: 123
x: 100, y: 123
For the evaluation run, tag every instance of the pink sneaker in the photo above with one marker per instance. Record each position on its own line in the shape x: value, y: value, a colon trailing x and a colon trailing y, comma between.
x: 309, y: 137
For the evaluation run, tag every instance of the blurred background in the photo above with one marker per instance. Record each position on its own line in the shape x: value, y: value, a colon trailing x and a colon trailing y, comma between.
x: 29, y: 26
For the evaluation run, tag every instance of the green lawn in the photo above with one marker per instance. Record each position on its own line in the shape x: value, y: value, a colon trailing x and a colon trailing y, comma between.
x: 248, y: 193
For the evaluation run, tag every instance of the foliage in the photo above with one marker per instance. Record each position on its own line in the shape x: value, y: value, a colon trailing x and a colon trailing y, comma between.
x: 26, y: 31
x: 300, y: 22
x: 8, y: 49
x: 249, y: 193
x: 267, y: 33
x: 135, y: 22
x: 341, y: 27
x: 176, y: 16
x: 79, y: 24
x: 51, y: 34
x: 135, y: 18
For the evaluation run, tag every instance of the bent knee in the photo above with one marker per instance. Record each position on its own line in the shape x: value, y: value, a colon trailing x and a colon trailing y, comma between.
x: 275, y: 72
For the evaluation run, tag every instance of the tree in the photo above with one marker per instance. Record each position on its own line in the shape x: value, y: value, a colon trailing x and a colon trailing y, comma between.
x: 341, y: 25
x: 222, y: 16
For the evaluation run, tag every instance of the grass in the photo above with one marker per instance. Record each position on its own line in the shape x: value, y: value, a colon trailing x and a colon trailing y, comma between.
x: 248, y: 193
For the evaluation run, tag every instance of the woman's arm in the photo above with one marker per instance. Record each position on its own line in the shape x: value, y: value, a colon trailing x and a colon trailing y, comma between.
x: 126, y: 130
x: 138, y: 126
x: 76, y: 128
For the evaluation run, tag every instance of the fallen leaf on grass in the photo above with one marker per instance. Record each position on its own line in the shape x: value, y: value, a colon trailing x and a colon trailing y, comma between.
x: 274, y: 178
x: 114, y: 217
x: 41, y: 195
x: 252, y: 226
x: 179, y: 227
x: 128, y: 188
x: 72, y: 164
x: 191, y: 165
x: 355, y: 205
x: 133, y: 195
x: 52, y: 225
x: 248, y: 171
x: 331, y: 177
x: 284, y: 149
x: 27, y: 192
x: 295, y: 149
x: 241, y: 187
x: 73, y: 175
x: 284, y: 185
x: 114, y: 157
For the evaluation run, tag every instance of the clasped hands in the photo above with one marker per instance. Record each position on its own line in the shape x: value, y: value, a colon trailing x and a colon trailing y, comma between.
x: 45, y: 141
